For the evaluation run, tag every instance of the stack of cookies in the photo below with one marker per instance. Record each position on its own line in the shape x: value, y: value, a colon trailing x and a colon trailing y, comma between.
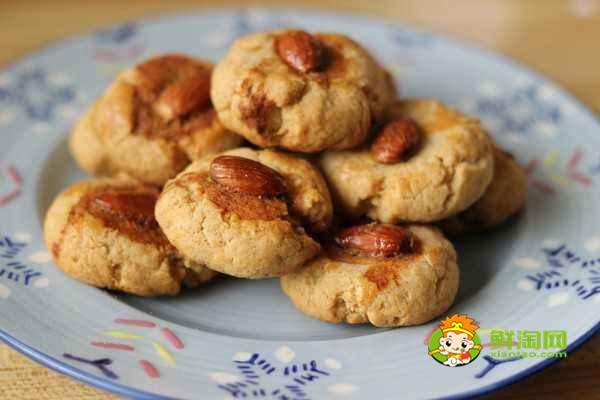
x: 291, y: 158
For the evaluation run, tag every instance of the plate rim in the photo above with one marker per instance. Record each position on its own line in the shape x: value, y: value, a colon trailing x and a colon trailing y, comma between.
x: 53, y: 45
x: 124, y: 390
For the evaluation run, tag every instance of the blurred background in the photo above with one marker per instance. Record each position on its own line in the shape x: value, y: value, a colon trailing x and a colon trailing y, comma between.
x: 559, y: 38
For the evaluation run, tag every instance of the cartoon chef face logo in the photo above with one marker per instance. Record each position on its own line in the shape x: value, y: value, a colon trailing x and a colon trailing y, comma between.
x: 455, y: 343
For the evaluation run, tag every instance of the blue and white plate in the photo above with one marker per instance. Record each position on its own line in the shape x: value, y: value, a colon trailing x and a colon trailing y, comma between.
x: 243, y: 339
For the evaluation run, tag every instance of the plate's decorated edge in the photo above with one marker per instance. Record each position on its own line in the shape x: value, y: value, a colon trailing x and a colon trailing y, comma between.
x: 123, y: 390
x: 129, y: 391
x: 80, y: 375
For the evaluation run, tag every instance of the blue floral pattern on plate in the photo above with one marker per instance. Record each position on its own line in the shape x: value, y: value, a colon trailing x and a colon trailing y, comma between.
x: 37, y: 94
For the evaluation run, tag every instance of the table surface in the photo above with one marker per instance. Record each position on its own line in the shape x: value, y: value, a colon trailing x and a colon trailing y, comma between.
x: 559, y: 38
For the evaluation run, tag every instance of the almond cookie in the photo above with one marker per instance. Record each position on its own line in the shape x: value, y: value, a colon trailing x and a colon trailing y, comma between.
x: 103, y: 232
x: 244, y: 213
x: 383, y: 274
x: 299, y: 91
x: 87, y: 148
x: 152, y: 122
x: 427, y: 162
x: 504, y: 197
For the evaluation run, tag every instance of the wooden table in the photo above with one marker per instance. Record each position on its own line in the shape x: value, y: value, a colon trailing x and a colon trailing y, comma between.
x: 556, y: 37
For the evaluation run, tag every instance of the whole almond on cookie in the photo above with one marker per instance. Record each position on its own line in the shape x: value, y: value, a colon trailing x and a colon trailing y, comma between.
x: 242, y: 175
x: 140, y: 205
x: 377, y: 239
x: 395, y: 141
x: 300, y: 50
x: 185, y: 95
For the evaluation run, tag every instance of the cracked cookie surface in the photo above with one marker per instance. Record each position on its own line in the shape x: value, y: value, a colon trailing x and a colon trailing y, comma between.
x: 259, y: 95
x: 448, y: 172
x: 503, y: 198
x: 103, y: 232
x: 241, y: 234
x: 152, y: 122
x: 406, y: 289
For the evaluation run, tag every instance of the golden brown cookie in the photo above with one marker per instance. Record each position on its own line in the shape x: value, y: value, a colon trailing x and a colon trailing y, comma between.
x: 428, y: 162
x: 244, y: 213
x: 383, y: 274
x: 503, y: 198
x: 87, y: 148
x: 152, y: 122
x: 103, y: 232
x: 299, y: 91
